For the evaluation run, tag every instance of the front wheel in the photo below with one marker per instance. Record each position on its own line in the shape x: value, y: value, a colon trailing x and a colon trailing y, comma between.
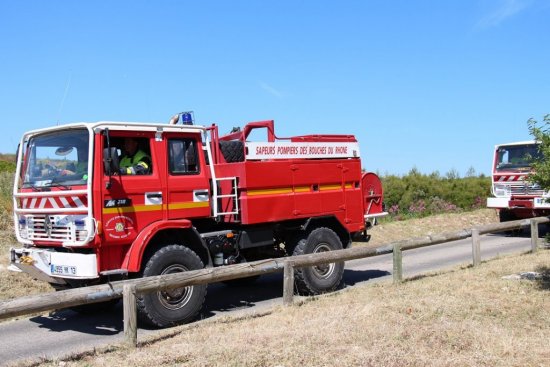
x: 174, y: 306
x: 506, y: 215
x: 320, y: 278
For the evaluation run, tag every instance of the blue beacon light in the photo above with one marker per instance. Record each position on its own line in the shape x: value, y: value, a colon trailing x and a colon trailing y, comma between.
x: 186, y: 118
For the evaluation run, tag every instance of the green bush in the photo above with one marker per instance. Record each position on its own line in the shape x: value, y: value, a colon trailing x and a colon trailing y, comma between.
x: 7, y: 166
x: 418, y: 195
x: 6, y: 201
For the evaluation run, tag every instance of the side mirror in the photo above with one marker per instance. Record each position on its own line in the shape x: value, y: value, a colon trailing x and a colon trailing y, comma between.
x: 111, y: 164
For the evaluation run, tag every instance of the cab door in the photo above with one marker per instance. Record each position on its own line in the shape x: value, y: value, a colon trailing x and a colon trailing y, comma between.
x: 187, y: 177
x: 132, y: 202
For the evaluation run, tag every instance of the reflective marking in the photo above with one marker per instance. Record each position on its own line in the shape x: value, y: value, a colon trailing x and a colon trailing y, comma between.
x: 53, y: 203
x: 132, y: 209
x: 150, y: 208
x: 269, y: 191
x: 330, y: 187
x: 77, y: 201
x: 189, y: 205
x: 302, y: 189
x: 65, y: 202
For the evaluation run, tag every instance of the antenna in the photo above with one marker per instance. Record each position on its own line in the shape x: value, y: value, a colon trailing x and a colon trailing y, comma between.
x: 67, y: 86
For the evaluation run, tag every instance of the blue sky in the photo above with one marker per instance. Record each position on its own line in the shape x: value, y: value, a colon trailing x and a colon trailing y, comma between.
x: 426, y: 84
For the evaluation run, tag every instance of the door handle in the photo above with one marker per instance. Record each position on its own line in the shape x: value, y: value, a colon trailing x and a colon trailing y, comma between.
x: 200, y: 195
x: 154, y: 196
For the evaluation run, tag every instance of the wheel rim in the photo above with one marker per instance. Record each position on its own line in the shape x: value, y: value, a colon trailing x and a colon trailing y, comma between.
x: 174, y: 299
x: 326, y: 270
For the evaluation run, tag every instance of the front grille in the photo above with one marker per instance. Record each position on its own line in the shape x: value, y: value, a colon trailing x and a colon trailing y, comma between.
x: 51, y: 228
x: 526, y: 189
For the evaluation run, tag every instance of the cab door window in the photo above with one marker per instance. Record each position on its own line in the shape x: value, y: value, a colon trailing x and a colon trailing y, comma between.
x: 183, y: 157
x: 133, y: 155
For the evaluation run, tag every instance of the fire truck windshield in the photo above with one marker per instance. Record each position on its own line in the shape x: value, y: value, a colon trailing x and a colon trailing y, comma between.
x: 516, y: 157
x: 56, y: 159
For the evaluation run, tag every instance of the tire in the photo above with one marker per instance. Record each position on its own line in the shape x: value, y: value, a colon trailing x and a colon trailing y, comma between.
x: 506, y: 215
x: 176, y: 306
x: 322, y: 278
x: 232, y: 151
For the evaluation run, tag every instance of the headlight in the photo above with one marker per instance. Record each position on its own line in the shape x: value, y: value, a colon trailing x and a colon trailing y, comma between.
x: 502, y: 190
x: 22, y: 223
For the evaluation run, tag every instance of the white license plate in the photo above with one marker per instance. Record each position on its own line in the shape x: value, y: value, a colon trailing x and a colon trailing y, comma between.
x: 62, y: 269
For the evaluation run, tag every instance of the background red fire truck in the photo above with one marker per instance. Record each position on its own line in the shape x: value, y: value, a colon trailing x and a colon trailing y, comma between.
x: 208, y: 200
x: 514, y: 196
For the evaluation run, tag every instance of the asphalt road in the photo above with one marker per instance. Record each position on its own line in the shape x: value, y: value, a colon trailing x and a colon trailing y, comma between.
x: 65, y: 332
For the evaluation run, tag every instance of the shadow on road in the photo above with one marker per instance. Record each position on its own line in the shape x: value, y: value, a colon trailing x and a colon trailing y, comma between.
x: 352, y: 277
x: 106, y: 323
x: 221, y: 298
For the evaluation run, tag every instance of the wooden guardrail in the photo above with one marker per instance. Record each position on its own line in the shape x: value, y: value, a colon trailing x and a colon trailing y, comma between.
x: 129, y: 289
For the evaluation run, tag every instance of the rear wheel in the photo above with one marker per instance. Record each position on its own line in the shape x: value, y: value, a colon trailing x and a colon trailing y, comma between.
x: 320, y: 278
x: 174, y: 306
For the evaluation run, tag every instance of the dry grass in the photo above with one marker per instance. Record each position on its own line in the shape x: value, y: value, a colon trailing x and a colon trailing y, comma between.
x: 467, y: 317
x: 13, y: 285
x: 394, y: 231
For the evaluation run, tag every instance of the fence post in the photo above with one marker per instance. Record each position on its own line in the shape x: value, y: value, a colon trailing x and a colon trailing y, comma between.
x: 397, y: 263
x: 130, y: 314
x: 476, y: 247
x: 534, y: 235
x: 288, y: 285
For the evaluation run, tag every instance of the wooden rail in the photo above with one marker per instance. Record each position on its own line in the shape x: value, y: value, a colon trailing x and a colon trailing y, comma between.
x: 129, y: 289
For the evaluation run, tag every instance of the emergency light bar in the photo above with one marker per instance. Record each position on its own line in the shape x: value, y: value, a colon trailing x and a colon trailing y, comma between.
x: 187, y: 118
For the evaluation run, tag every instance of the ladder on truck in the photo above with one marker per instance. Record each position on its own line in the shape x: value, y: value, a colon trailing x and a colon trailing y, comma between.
x: 216, y: 188
x: 233, y: 196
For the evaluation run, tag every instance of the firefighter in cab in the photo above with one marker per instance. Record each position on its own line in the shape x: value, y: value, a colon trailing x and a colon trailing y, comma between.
x: 134, y: 161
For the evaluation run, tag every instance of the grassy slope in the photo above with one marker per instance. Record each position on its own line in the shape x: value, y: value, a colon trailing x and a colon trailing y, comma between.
x: 393, y: 231
x: 466, y: 317
x: 463, y: 317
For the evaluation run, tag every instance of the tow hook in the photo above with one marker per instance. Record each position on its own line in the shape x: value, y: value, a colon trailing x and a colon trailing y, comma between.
x: 27, y: 260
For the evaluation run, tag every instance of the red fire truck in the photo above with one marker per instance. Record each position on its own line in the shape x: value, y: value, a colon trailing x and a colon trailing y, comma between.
x: 514, y: 196
x: 207, y: 200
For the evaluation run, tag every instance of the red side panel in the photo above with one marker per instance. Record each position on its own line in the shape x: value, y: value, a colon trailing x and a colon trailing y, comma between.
x: 279, y: 190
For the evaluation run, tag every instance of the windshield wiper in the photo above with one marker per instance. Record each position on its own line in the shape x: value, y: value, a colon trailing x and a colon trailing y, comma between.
x: 33, y: 187
x: 57, y: 184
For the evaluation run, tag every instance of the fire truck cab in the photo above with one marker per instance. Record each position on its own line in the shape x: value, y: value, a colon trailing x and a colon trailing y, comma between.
x: 205, y: 200
x: 513, y: 195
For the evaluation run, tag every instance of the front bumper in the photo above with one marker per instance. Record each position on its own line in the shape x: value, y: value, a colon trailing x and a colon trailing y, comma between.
x: 52, y: 266
x: 518, y: 202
